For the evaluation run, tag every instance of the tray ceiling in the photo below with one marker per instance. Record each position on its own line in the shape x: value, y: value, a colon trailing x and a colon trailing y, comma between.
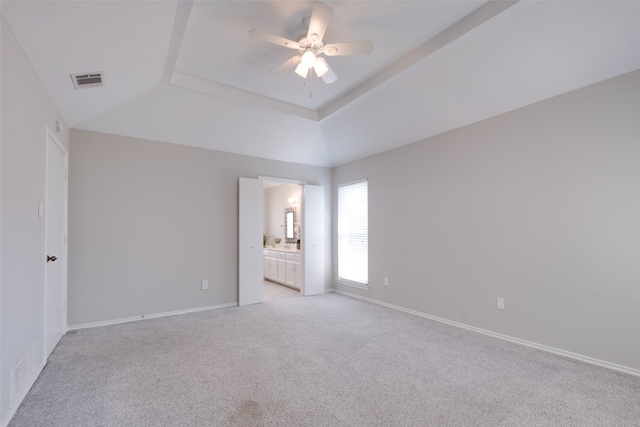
x: 188, y: 73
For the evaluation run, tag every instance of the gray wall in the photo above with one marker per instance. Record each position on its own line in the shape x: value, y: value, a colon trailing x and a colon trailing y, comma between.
x: 540, y: 206
x: 26, y: 111
x: 148, y: 221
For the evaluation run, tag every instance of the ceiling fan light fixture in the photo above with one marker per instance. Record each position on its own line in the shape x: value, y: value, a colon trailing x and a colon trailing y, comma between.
x: 321, y: 67
x: 330, y: 77
x: 311, y: 46
x: 308, y: 58
x: 302, y: 70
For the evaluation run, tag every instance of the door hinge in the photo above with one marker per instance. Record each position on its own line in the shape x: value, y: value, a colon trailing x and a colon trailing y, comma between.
x: 66, y: 175
x: 64, y: 305
x: 65, y: 240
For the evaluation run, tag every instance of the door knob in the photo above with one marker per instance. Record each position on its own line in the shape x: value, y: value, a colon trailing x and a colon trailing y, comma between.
x: 51, y: 258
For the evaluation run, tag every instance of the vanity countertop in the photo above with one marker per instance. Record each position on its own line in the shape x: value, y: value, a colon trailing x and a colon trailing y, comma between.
x: 283, y: 249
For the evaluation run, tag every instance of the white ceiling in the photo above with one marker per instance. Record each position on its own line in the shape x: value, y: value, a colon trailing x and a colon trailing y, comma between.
x: 188, y: 73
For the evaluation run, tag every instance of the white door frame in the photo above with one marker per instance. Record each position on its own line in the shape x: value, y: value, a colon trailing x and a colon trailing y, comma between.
x: 283, y: 180
x: 50, y: 134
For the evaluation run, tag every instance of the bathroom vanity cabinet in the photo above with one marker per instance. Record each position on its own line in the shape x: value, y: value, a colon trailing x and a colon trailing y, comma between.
x: 283, y: 266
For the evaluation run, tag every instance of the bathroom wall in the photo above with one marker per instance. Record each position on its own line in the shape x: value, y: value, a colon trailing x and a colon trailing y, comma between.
x: 277, y: 200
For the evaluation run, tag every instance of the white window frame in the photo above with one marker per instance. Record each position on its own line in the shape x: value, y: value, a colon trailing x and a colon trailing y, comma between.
x: 354, y: 279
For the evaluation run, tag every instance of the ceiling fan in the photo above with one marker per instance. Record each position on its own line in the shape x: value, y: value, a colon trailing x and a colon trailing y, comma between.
x: 311, y: 46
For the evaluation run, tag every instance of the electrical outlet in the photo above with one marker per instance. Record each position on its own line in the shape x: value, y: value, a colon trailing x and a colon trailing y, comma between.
x: 386, y: 281
x: 205, y: 284
x: 500, y: 303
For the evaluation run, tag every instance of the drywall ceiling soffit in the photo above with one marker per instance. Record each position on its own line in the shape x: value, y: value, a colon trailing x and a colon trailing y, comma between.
x: 188, y: 73
x: 127, y: 40
x: 214, y: 123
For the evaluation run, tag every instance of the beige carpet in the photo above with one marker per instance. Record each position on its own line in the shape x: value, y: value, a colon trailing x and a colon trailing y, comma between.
x: 327, y: 360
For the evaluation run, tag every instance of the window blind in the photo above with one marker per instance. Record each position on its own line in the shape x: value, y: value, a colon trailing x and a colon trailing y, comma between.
x: 353, y: 232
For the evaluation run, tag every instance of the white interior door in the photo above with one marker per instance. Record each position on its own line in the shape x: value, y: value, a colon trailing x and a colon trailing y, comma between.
x: 313, y: 239
x: 55, y: 229
x: 250, y: 286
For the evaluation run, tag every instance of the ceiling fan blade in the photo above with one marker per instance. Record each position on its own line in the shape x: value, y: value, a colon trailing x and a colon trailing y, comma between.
x: 329, y: 77
x: 289, y: 63
x: 280, y: 41
x: 320, y: 17
x: 351, y: 48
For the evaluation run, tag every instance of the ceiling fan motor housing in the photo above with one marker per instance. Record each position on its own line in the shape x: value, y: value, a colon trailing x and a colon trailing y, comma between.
x: 313, y: 42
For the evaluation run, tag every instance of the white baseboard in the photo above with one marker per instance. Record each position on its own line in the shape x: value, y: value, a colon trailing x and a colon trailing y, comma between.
x: 587, y: 359
x: 148, y: 316
x: 12, y: 410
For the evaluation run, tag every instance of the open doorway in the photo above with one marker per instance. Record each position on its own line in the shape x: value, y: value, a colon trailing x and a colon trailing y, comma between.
x: 251, y: 260
x: 282, y: 231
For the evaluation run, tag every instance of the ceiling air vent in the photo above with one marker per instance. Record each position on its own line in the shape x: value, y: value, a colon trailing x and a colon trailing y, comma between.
x: 83, y: 80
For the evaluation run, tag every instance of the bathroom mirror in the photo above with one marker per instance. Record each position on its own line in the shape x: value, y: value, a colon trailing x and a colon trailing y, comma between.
x: 289, y: 228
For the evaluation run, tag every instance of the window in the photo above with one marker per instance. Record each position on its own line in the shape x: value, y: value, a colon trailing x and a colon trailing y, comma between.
x: 353, y: 234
